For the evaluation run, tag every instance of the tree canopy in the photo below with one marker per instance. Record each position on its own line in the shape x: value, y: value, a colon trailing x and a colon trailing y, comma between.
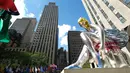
x: 23, y: 58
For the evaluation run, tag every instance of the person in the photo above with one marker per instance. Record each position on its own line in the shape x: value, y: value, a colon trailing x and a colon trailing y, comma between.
x: 17, y: 69
x: 10, y: 70
x: 41, y: 69
x: 27, y: 69
x: 99, y: 43
x: 31, y: 70
x: 36, y: 69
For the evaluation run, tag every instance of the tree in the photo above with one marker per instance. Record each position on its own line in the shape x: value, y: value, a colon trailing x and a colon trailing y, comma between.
x: 39, y: 59
x: 23, y: 58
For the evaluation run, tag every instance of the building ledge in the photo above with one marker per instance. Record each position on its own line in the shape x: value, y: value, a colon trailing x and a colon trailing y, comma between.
x: 97, y: 70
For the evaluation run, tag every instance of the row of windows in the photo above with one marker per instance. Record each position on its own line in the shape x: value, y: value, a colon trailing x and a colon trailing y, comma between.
x: 118, y: 15
x: 50, y: 32
x: 92, y: 8
x: 17, y: 49
x: 102, y: 11
x: 76, y: 49
x: 46, y: 31
x: 96, y: 14
x: 112, y: 24
x: 76, y: 46
x: 101, y: 24
x: 50, y: 12
x: 105, y: 15
x: 45, y: 40
x: 91, y: 13
x: 48, y: 21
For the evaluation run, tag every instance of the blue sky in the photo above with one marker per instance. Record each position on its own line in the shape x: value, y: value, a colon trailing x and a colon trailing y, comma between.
x: 69, y: 12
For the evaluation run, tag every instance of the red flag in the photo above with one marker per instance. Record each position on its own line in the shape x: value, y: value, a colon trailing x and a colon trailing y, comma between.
x: 9, y: 6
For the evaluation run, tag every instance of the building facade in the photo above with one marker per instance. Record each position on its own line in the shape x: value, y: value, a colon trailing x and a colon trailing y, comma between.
x: 61, y: 59
x: 46, y: 36
x: 25, y: 27
x: 75, y: 45
x: 109, y: 14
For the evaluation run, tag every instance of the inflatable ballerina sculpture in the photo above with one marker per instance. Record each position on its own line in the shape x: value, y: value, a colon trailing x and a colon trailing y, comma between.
x: 101, y: 46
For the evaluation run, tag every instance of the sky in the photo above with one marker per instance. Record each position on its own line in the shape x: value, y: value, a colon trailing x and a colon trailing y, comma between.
x: 69, y: 12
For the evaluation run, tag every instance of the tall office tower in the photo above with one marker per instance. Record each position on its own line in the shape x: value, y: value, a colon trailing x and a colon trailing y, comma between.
x: 109, y: 13
x: 75, y: 45
x: 61, y: 58
x: 46, y: 35
x: 25, y: 27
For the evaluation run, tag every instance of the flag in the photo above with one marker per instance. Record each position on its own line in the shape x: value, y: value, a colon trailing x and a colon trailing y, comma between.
x: 1, y: 24
x: 9, y: 6
x: 4, y: 37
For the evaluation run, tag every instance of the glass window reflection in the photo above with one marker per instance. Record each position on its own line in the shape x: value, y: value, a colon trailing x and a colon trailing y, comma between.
x: 126, y: 2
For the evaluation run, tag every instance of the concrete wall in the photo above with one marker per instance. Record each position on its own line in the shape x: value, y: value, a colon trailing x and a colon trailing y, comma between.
x: 128, y: 45
x: 98, y: 70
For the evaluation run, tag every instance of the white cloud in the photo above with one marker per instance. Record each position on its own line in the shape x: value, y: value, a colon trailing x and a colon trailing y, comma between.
x: 64, y: 40
x: 21, y: 6
x: 73, y: 28
x: 63, y: 29
x: 30, y: 15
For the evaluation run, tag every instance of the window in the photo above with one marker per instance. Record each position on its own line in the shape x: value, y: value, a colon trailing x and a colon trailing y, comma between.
x: 104, y: 14
x: 112, y: 25
x: 91, y: 13
x: 120, y: 17
x: 111, y: 8
x: 92, y: 7
x: 101, y: 24
x: 102, y: 11
x: 98, y: 17
x: 126, y: 3
x: 107, y: 3
x: 97, y: 4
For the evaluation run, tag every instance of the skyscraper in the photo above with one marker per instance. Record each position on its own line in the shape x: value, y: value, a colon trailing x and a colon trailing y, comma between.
x: 25, y: 27
x: 46, y: 35
x: 109, y: 13
x: 61, y: 58
x: 75, y: 45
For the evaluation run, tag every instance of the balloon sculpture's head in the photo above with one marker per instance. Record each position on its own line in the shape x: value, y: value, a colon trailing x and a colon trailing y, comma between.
x: 84, y: 23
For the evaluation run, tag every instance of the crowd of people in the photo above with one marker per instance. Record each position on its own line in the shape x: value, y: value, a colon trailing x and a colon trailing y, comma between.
x: 27, y: 69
